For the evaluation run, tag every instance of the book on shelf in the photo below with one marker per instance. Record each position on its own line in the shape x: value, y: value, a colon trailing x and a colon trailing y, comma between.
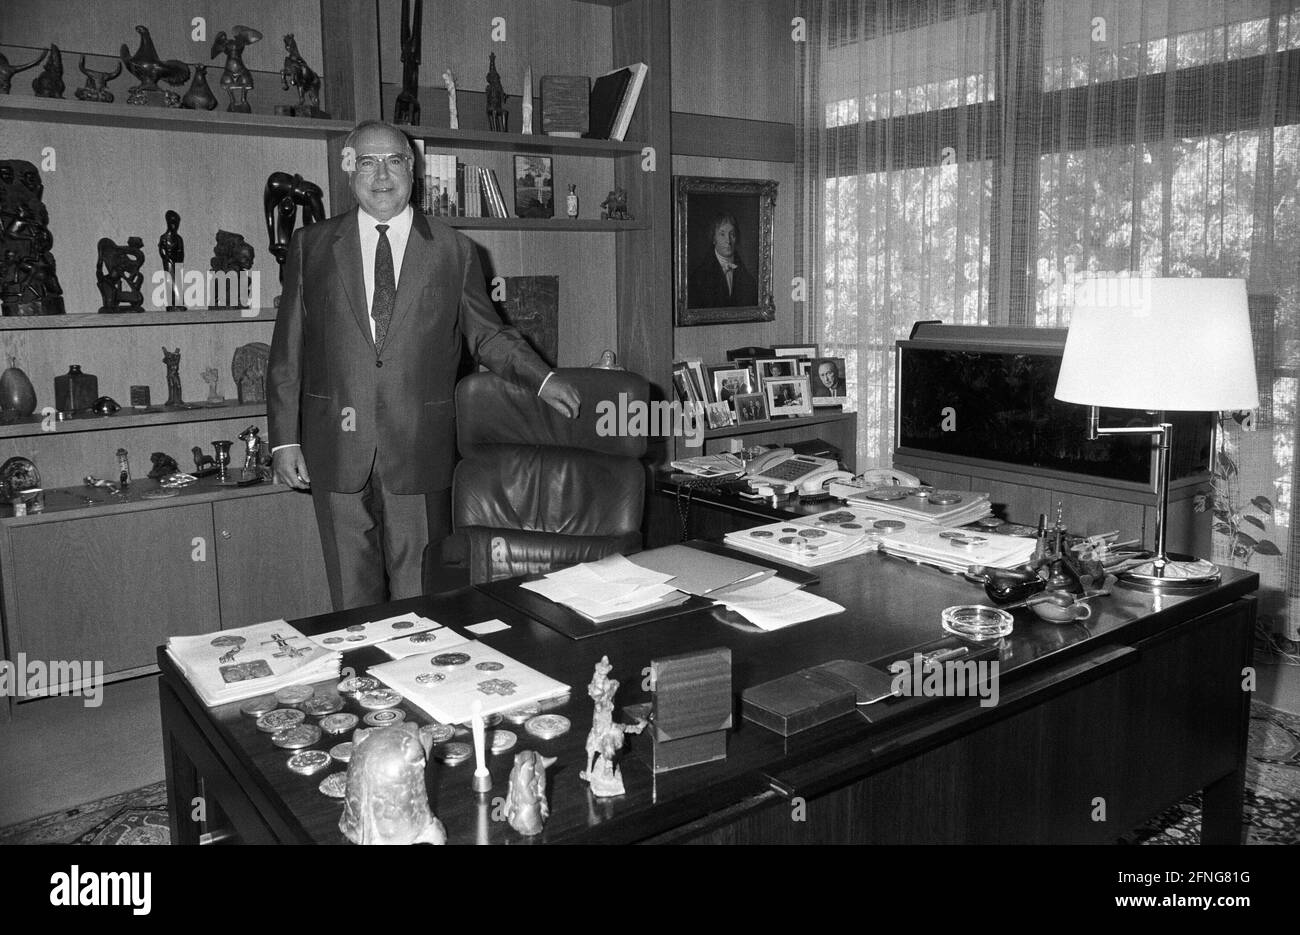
x: 613, y: 99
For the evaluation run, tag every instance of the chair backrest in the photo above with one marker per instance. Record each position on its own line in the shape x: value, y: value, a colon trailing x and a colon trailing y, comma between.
x: 494, y: 411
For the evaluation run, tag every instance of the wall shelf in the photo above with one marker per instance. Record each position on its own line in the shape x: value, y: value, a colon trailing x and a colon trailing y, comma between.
x: 86, y: 113
x: 134, y: 319
x: 559, y: 225
x: 129, y: 419
x: 523, y: 142
x: 774, y: 425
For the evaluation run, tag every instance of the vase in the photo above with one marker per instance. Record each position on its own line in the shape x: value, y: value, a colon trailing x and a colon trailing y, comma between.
x: 75, y: 391
x: 17, y: 394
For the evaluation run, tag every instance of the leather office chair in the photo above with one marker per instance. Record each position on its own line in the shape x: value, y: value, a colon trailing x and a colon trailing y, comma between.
x: 536, y: 491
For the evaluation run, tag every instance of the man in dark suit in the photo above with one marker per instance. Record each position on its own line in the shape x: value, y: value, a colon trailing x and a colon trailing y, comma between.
x: 377, y: 305
x: 719, y: 280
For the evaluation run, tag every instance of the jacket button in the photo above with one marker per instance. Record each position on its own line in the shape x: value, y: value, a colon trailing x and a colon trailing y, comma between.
x: 379, y: 363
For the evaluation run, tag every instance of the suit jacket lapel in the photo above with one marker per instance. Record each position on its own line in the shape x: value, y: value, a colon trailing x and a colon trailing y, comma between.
x: 417, y: 265
x: 347, y: 259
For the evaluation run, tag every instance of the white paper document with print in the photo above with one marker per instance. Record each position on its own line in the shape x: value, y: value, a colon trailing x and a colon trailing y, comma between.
x: 447, y: 685
x: 431, y: 641
x: 375, y: 631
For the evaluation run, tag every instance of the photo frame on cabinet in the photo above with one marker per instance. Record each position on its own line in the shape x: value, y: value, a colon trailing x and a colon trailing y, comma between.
x: 788, y: 397
x: 751, y: 408
x: 722, y: 258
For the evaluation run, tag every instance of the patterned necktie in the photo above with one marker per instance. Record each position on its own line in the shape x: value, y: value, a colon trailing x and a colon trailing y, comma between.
x: 381, y: 308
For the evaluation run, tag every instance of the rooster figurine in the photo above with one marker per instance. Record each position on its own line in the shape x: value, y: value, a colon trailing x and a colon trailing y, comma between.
x: 149, y: 69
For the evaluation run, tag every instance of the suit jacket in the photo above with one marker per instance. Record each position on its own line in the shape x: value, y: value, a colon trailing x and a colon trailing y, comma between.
x: 707, y: 286
x: 351, y: 407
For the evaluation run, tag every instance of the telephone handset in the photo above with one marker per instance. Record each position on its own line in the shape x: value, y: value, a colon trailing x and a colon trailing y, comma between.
x: 783, y: 468
x: 768, y: 458
x: 842, y: 489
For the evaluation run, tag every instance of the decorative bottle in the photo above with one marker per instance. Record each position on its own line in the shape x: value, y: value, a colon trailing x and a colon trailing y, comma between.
x: 75, y: 391
x: 571, y: 202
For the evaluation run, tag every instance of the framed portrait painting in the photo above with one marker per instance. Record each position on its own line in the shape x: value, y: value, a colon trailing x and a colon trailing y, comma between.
x: 722, y: 255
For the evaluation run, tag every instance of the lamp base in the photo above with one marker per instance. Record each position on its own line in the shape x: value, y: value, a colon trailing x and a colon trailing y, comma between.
x: 1179, y: 573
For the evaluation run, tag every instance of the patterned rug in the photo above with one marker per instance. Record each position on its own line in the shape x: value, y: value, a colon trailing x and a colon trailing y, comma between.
x: 135, y: 817
x: 1272, y: 788
x: 1272, y: 802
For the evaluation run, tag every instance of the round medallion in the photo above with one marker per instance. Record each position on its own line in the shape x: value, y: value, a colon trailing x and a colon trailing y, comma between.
x: 450, y: 659
x: 502, y: 740
x: 547, y: 726
x: 309, y: 761
x: 385, y: 718
x: 456, y: 752
x: 336, y: 724
x: 256, y: 707
x: 279, y: 719
x: 437, y: 733
x: 356, y: 684
x: 335, y: 785
x: 295, y: 738
x: 321, y: 705
x: 294, y: 694
x: 379, y: 698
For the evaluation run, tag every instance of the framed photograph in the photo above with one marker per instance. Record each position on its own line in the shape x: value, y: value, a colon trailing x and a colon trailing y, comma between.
x: 687, y: 392
x: 719, y: 415
x: 788, y: 397
x: 829, y: 387
x: 703, y: 386
x: 722, y: 258
x: 728, y: 382
x: 775, y: 368
x: 534, y: 187
x: 750, y: 408
x: 796, y: 350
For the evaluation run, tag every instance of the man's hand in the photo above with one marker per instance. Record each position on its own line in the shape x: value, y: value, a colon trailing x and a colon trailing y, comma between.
x: 561, y: 396
x: 291, y: 468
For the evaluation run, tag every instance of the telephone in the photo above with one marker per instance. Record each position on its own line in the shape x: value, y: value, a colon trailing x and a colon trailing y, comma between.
x: 782, y: 467
x: 723, y: 465
x: 842, y: 489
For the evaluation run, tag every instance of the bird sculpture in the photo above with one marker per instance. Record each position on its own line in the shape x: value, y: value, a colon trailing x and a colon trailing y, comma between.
x: 149, y: 69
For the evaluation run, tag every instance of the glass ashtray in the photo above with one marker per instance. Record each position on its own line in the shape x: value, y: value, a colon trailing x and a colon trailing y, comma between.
x: 977, y: 622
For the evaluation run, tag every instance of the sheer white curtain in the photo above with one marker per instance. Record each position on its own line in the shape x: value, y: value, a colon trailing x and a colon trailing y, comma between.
x: 970, y: 160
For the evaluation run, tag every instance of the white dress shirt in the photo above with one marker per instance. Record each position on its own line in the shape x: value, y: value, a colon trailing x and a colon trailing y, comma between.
x: 399, y: 232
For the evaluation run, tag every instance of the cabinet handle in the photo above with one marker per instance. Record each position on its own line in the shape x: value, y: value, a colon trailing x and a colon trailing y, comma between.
x: 225, y: 533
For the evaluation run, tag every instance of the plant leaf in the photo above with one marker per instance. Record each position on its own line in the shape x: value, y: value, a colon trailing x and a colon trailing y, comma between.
x: 1229, y: 466
x: 1247, y: 540
x: 1255, y: 521
x: 1223, y: 528
x: 1263, y: 504
x: 1266, y: 547
x: 1220, y: 513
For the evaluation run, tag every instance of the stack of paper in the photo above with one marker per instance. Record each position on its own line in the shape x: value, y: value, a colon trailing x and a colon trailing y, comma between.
x: 705, y: 574
x: 973, y: 505
x: 813, y: 540
x: 375, y: 631
x: 447, y: 686
x: 956, y: 549
x: 608, y: 589
x: 231, y: 665
x: 432, y: 641
x: 777, y: 603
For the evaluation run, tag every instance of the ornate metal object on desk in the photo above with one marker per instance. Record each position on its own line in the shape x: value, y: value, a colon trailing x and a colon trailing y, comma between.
x: 117, y: 273
x: 526, y: 807
x: 49, y: 83
x: 96, y: 88
x: 149, y: 69
x: 386, y: 800
x: 406, y: 109
x: 235, y: 77
x: 605, y: 739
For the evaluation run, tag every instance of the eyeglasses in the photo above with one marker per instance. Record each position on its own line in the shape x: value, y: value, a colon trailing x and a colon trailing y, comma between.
x: 369, y: 164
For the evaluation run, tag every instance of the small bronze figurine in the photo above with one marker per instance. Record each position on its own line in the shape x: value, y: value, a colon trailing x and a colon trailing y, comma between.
x: 232, y: 254
x: 298, y: 74
x: 526, y: 807
x: 173, y: 361
x: 163, y: 465
x: 614, y: 207
x: 8, y: 71
x: 149, y: 69
x: 281, y: 197
x: 117, y: 272
x: 236, y: 78
x: 171, y: 249
x: 211, y: 377
x: 386, y: 800
x: 497, y: 117
x: 605, y: 739
x: 406, y: 109
x: 204, y: 464
x: 123, y: 469
x: 199, y: 96
x: 254, y: 468
x: 49, y: 83
x: 96, y: 88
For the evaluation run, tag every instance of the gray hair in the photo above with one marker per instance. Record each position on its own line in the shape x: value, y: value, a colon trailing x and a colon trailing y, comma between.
x: 350, y: 141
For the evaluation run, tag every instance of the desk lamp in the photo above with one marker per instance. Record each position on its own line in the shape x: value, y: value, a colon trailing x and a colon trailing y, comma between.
x: 1159, y: 345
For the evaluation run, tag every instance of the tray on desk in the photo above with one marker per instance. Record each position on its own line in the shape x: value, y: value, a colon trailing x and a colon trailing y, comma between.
x: 576, y: 627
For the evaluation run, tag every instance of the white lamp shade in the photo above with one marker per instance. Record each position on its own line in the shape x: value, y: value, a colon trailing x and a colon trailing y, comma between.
x: 1160, y: 344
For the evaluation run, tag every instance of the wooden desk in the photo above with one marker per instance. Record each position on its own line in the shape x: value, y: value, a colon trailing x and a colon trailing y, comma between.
x: 1098, y: 727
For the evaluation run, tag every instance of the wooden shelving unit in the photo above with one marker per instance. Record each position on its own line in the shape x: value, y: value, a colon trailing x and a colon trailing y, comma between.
x: 136, y: 319
x: 555, y: 225
x: 128, y: 419
x: 523, y: 142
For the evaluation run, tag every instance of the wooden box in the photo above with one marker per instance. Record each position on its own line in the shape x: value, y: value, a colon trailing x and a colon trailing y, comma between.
x: 565, y: 104
x: 692, y: 708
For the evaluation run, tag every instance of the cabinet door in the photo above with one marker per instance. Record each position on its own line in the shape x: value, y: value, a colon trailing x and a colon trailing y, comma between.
x: 112, y: 588
x: 269, y: 559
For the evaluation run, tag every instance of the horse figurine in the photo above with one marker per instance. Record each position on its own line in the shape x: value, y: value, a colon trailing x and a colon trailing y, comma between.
x: 203, y: 463
x: 605, y: 739
x: 298, y: 74
x: 526, y: 807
